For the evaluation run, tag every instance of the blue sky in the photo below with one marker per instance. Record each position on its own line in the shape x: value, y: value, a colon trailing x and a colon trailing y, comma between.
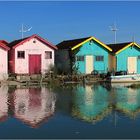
x: 61, y: 20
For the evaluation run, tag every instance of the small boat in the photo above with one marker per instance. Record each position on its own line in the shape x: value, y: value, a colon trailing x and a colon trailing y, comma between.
x: 124, y: 78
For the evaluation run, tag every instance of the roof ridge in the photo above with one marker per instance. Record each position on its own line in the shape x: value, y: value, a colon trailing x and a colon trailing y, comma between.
x: 23, y: 38
x: 18, y: 42
x: 118, y: 47
x: 4, y: 46
x: 119, y: 43
x: 77, y: 39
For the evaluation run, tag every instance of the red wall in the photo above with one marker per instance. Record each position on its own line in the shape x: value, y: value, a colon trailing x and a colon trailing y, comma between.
x: 11, y: 61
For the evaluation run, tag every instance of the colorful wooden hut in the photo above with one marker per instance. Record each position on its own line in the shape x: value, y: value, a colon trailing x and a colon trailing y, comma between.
x: 30, y: 55
x: 125, y: 57
x: 84, y: 55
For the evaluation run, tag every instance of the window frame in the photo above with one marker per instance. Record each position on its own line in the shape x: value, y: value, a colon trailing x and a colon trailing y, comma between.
x: 19, y: 54
x: 80, y: 58
x: 138, y: 57
x: 99, y: 58
x: 50, y: 55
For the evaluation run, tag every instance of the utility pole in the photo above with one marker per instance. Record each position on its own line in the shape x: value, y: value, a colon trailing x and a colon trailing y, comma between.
x: 133, y: 38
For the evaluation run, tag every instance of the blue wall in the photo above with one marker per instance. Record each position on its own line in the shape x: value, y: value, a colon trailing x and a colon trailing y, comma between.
x: 94, y: 49
x: 122, y: 58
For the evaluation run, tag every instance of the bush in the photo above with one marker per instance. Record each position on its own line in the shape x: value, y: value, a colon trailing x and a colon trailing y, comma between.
x: 52, y: 70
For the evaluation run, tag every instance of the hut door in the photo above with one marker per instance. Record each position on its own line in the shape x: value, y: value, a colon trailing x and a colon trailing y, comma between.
x: 132, y: 64
x: 89, y: 64
x: 34, y: 64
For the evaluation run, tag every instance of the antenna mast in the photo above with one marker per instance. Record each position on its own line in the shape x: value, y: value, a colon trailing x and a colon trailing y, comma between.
x: 114, y: 29
x: 133, y: 38
x: 24, y: 31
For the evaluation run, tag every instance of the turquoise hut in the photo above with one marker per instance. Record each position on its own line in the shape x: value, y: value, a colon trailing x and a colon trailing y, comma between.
x: 125, y: 57
x: 83, y: 55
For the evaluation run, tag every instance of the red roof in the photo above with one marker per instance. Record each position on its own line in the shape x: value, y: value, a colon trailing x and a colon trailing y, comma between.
x: 4, y: 42
x: 4, y: 46
x: 16, y: 43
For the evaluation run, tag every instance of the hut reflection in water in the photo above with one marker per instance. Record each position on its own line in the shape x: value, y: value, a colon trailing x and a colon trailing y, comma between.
x: 33, y: 105
x: 91, y: 103
x: 3, y: 103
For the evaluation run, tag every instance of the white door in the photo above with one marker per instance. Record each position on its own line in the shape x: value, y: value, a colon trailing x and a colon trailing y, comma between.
x: 89, y: 64
x: 132, y: 64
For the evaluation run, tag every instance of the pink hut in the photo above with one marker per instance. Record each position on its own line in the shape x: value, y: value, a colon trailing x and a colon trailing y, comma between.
x: 31, y: 55
x: 4, y: 60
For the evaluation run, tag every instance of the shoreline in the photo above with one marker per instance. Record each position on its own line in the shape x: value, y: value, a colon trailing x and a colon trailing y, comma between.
x: 27, y: 80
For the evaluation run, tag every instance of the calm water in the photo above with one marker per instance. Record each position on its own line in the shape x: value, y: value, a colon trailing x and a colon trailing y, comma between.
x: 95, y: 111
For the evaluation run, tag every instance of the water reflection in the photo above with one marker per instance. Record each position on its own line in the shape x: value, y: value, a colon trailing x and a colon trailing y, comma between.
x: 128, y: 101
x: 33, y: 105
x: 3, y: 103
x: 94, y: 103
x: 91, y: 103
x: 119, y: 85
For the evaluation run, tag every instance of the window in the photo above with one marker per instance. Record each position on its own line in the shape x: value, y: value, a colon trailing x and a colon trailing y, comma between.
x: 80, y: 58
x: 48, y: 55
x: 21, y: 54
x: 99, y: 58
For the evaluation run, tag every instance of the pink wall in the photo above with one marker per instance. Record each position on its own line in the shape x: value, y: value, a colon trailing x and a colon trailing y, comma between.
x: 21, y: 66
x: 3, y: 64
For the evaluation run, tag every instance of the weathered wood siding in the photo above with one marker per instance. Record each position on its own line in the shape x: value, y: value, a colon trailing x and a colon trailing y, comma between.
x: 62, y: 61
x: 112, y: 62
